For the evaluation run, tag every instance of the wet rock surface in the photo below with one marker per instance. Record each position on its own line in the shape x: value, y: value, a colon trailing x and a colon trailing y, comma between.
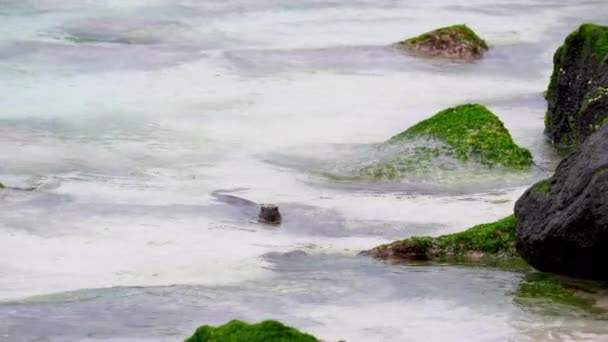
x: 562, y: 222
x: 578, y: 92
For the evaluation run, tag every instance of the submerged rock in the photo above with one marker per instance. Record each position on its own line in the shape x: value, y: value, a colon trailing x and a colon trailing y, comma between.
x: 553, y: 294
x: 562, y: 222
x: 456, y: 42
x: 469, y: 132
x: 578, y: 92
x: 483, y: 243
x: 237, y: 331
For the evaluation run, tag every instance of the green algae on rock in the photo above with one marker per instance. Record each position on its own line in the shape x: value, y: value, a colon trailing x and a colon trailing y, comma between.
x: 483, y: 243
x: 543, y: 186
x: 446, y: 141
x: 576, y: 96
x: 456, y: 42
x: 237, y: 331
x: 410, y: 160
x: 473, y: 132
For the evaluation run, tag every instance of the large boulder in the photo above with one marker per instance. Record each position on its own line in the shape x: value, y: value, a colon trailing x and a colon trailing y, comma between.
x: 466, y: 133
x: 562, y: 222
x: 237, y: 331
x: 578, y: 92
x: 456, y: 42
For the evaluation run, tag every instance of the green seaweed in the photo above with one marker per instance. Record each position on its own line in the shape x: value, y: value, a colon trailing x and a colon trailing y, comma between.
x: 543, y: 186
x: 474, y: 132
x: 1, y: 186
x: 546, y: 290
x: 237, y: 331
x: 417, y: 161
x: 462, y: 31
x: 485, y: 242
x: 492, y: 238
x: 423, y: 243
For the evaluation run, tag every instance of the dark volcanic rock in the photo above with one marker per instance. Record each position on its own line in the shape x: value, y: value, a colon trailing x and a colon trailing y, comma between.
x: 562, y: 222
x: 456, y: 42
x: 578, y: 92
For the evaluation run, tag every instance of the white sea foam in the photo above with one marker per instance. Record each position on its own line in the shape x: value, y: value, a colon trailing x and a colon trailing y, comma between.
x: 127, y: 137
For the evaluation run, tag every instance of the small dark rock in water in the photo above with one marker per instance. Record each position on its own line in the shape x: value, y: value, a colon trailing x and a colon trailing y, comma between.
x: 562, y: 222
x: 269, y: 213
x: 456, y: 42
x: 578, y: 92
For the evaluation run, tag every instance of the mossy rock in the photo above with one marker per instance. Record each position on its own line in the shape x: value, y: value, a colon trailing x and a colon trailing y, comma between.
x: 237, y: 331
x: 457, y: 42
x: 2, y: 186
x: 466, y: 133
x: 473, y: 132
x: 577, y: 93
x: 487, y: 243
x: 553, y: 294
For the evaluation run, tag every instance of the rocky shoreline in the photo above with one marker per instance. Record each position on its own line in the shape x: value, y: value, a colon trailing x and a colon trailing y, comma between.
x: 559, y: 226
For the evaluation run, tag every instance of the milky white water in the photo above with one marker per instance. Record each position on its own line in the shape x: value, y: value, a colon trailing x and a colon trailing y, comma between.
x: 126, y: 115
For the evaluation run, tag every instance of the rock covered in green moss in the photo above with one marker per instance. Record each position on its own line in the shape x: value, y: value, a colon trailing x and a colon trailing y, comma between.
x: 2, y: 186
x: 466, y: 133
x: 578, y: 92
x: 237, y: 331
x: 473, y: 132
x: 485, y: 242
x: 457, y: 42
